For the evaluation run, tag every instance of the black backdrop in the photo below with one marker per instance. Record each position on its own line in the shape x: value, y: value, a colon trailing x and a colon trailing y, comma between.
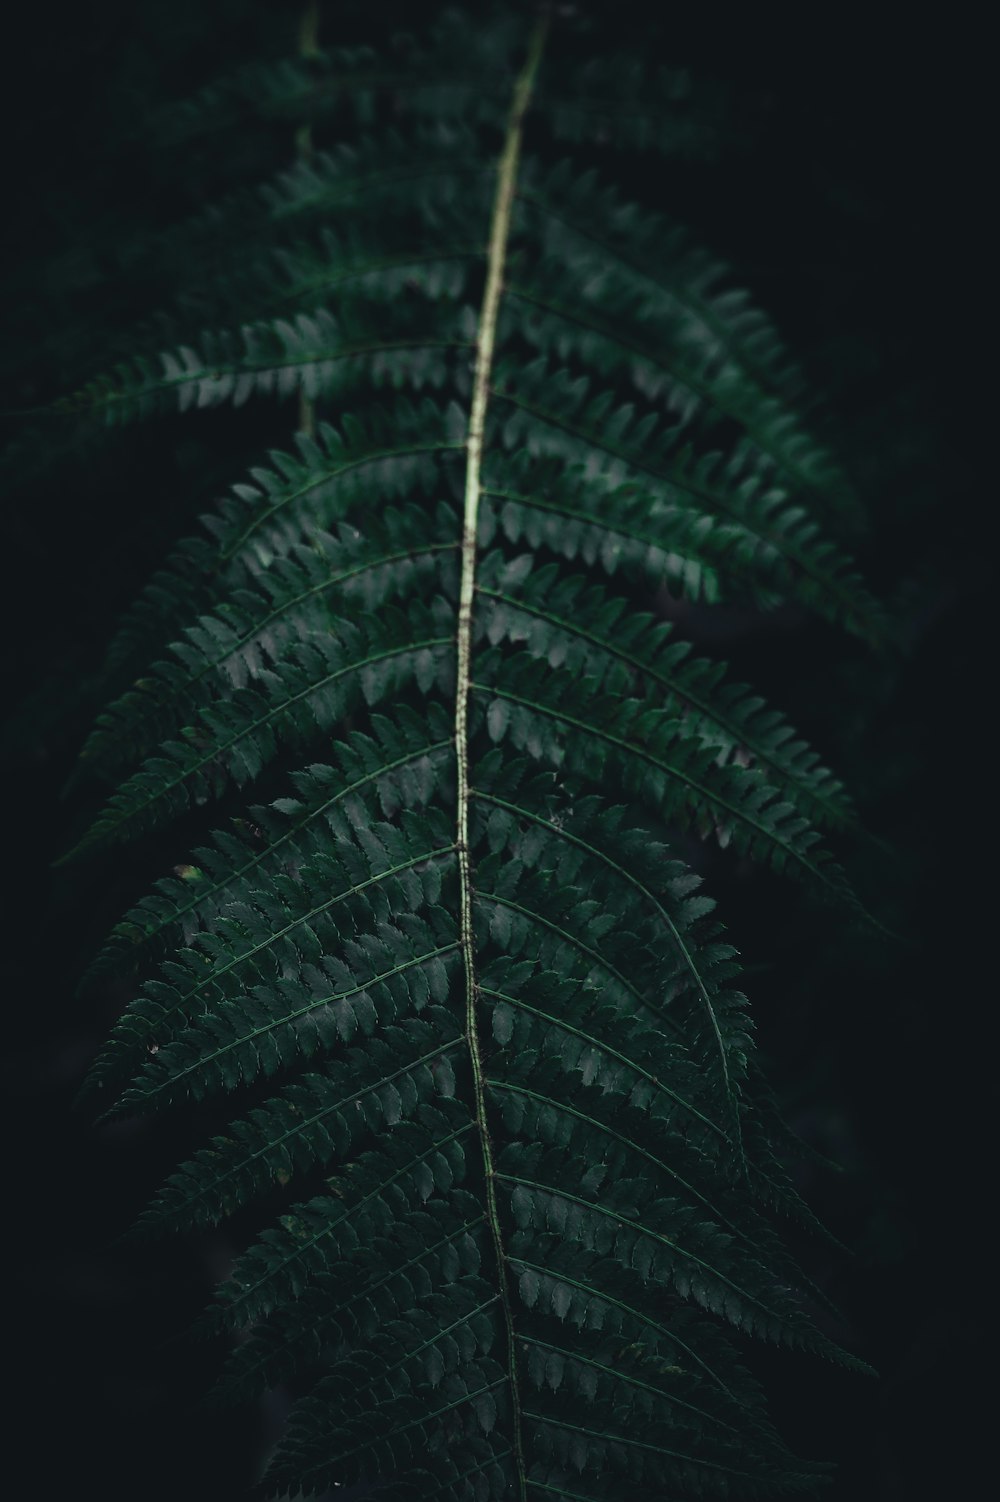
x: 849, y: 209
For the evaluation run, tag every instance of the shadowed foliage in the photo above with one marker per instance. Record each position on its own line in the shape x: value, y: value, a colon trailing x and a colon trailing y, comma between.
x: 440, y: 958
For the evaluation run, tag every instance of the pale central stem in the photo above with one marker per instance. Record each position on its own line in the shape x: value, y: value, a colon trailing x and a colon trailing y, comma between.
x: 499, y: 236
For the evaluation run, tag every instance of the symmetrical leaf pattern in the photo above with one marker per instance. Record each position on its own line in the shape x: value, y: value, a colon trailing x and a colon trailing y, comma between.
x: 442, y: 960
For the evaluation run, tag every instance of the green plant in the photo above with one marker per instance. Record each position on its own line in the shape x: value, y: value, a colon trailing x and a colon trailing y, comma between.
x: 466, y: 990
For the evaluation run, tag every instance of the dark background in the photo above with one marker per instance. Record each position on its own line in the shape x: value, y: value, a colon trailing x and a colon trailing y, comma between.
x: 847, y: 204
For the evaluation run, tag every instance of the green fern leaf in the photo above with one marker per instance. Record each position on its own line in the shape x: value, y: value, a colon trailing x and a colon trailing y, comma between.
x: 437, y: 964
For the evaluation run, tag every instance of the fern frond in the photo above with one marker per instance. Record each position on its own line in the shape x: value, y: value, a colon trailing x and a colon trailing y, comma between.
x: 312, y: 270
x: 331, y: 478
x: 544, y: 608
x: 419, y: 184
x: 638, y: 267
x: 294, y: 600
x: 617, y: 331
x: 312, y: 353
x: 461, y: 65
x: 458, y: 1008
x: 552, y: 413
x: 315, y: 686
x: 575, y: 207
x: 399, y: 761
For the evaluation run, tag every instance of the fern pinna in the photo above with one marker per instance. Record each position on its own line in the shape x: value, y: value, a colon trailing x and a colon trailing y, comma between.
x: 449, y: 985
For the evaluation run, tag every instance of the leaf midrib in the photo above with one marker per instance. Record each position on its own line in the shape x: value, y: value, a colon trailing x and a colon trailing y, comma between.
x: 507, y: 171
